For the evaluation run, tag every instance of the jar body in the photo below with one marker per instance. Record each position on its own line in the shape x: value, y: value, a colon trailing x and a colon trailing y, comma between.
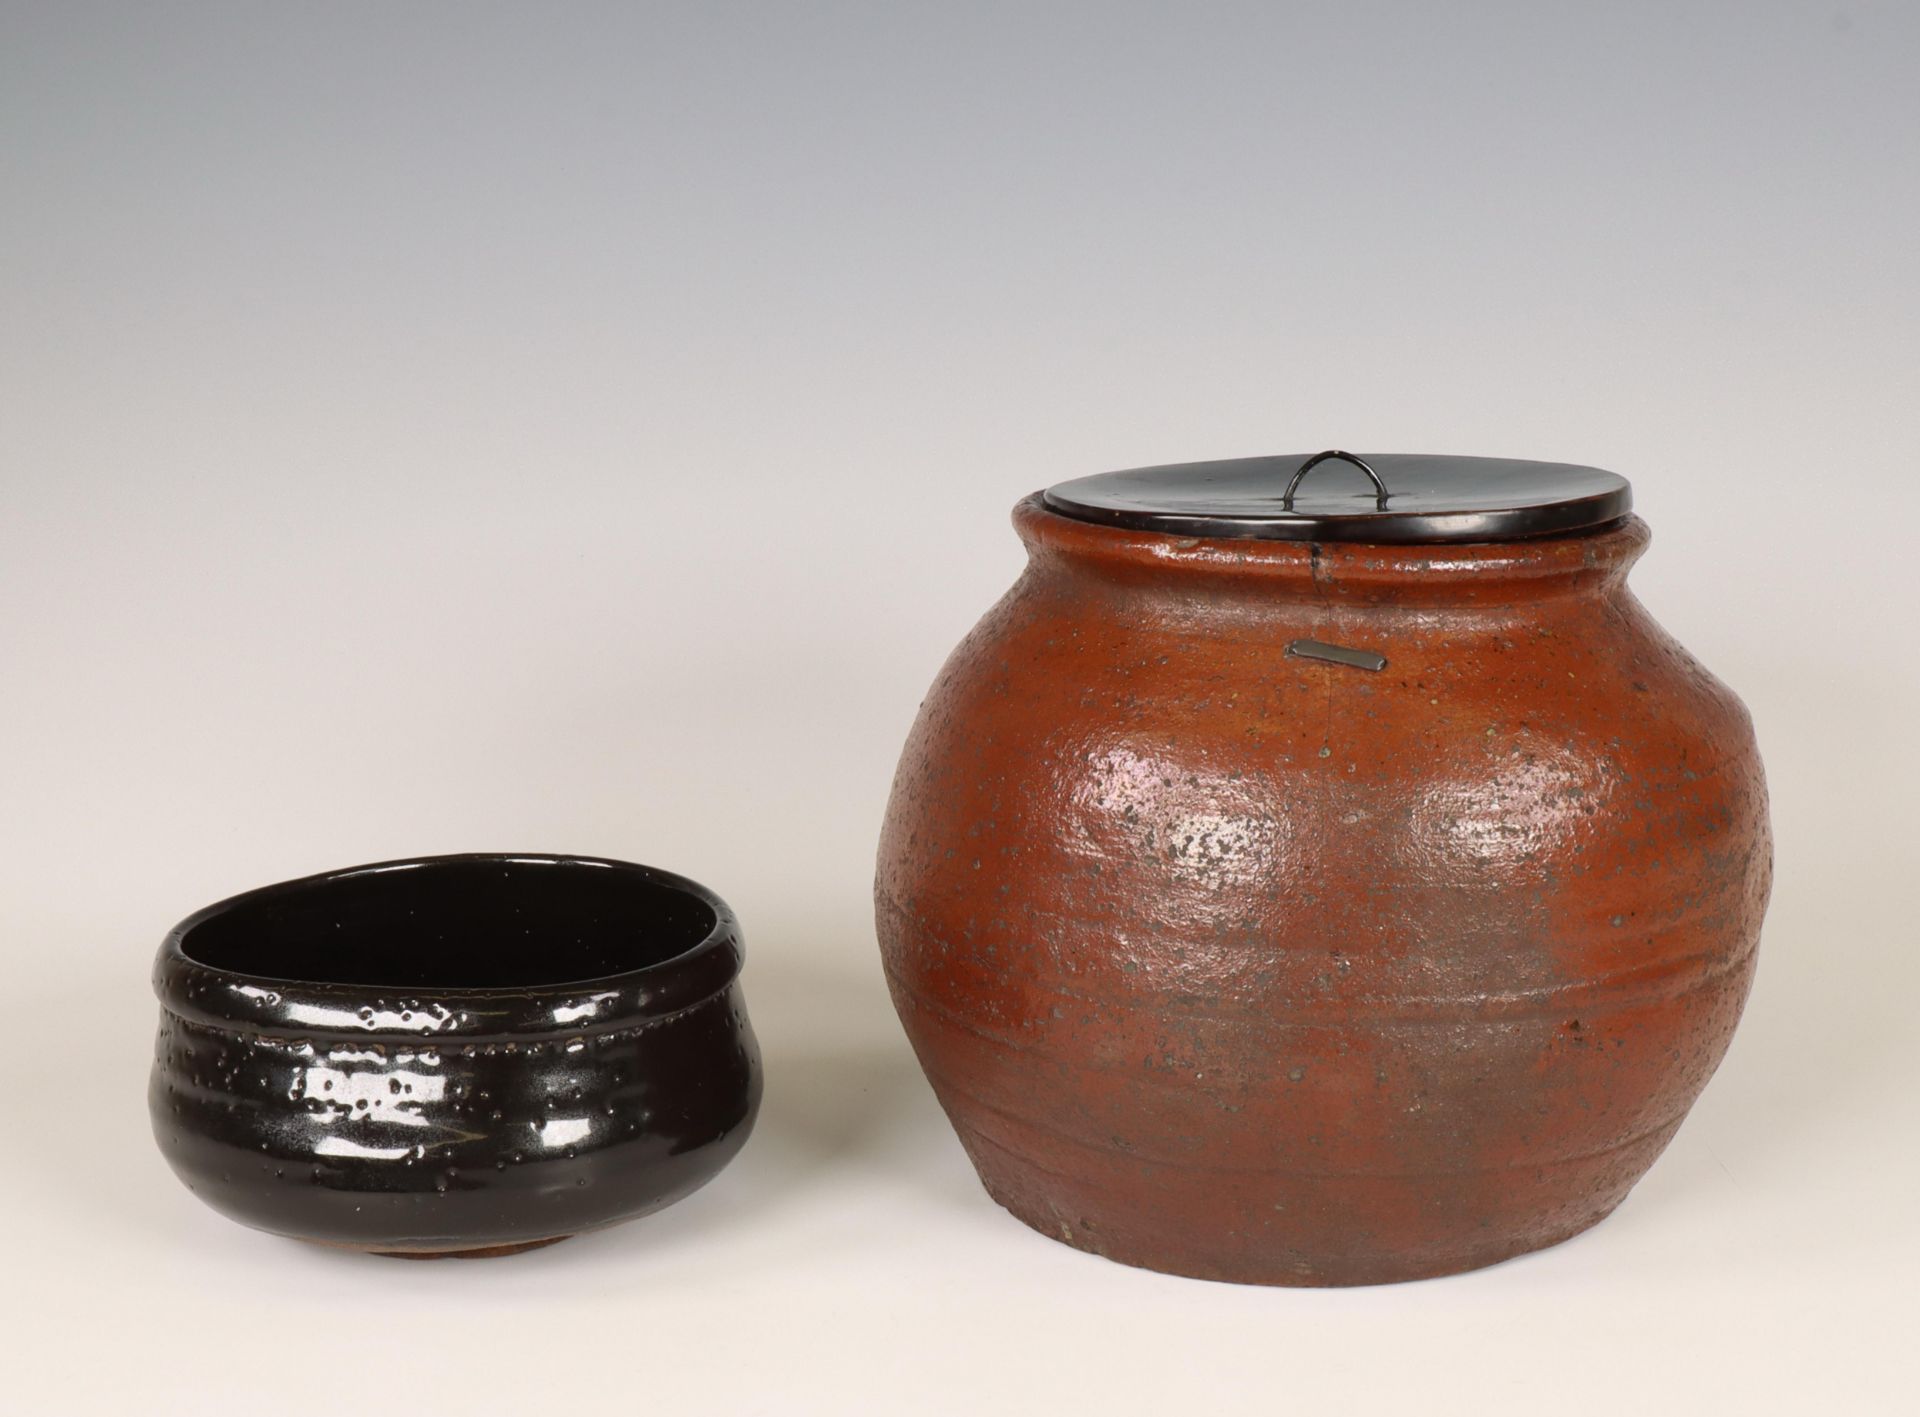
x: 1253, y: 967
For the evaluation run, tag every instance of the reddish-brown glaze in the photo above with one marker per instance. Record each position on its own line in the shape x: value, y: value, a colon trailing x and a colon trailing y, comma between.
x: 1273, y: 970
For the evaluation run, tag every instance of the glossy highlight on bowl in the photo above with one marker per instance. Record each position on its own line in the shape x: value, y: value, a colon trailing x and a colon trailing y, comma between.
x: 455, y: 1055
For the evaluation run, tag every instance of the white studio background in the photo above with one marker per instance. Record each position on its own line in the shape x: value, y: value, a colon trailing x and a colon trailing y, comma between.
x: 429, y: 427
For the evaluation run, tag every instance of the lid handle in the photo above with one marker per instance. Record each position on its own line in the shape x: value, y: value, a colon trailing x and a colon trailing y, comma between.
x: 1379, y: 488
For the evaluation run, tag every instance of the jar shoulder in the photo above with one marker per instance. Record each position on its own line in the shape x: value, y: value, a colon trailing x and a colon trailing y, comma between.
x: 1576, y: 758
x: 1055, y: 678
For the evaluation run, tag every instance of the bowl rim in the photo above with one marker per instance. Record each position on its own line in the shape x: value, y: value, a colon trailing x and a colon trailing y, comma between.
x: 271, y: 1005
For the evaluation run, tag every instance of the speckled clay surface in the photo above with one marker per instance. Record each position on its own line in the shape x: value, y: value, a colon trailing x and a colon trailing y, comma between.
x: 1260, y: 968
x: 491, y: 1111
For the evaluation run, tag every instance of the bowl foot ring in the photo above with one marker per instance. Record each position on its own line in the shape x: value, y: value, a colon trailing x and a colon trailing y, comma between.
x: 485, y: 1252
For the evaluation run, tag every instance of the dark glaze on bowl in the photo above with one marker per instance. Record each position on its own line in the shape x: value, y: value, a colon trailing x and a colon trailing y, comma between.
x: 455, y: 1055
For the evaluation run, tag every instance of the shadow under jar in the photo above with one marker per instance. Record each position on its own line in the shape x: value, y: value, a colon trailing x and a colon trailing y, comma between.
x: 457, y: 1055
x: 1324, y: 881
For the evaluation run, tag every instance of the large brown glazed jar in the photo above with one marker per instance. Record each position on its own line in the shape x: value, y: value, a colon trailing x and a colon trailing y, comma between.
x: 1341, y: 888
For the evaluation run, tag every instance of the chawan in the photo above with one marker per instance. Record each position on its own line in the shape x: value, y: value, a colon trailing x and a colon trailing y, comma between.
x: 462, y: 1055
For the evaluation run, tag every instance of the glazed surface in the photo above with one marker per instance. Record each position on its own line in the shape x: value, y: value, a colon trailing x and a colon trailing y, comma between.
x: 459, y: 1118
x: 1257, y: 967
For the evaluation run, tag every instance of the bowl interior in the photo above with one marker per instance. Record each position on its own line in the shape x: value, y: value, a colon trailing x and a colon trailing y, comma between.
x: 455, y: 923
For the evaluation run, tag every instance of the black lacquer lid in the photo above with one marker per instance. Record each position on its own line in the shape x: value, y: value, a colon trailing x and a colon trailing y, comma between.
x: 1339, y: 496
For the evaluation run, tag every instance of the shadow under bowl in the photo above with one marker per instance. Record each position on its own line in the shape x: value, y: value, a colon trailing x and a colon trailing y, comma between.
x: 456, y: 1055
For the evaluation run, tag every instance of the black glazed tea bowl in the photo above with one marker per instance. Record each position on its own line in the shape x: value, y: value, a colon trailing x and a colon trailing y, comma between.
x: 459, y: 1055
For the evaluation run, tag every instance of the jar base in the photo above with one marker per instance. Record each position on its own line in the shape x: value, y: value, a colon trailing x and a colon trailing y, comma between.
x: 1386, y: 1270
x: 1065, y: 1210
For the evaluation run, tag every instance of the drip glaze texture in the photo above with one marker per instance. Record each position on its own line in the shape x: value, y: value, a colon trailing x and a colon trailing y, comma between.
x: 1261, y: 968
x: 474, y: 1054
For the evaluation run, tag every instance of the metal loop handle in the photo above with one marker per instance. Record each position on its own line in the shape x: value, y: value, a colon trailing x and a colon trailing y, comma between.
x: 1379, y: 487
